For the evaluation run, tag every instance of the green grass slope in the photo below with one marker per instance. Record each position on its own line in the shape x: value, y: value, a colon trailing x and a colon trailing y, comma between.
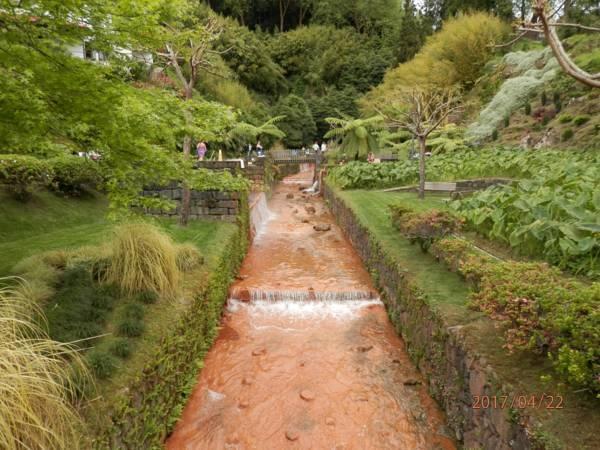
x: 49, y: 222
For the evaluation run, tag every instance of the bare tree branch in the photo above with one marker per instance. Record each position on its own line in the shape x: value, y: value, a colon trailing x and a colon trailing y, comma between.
x: 561, y: 55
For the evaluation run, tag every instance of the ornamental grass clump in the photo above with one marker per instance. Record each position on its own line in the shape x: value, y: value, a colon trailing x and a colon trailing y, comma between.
x: 142, y: 259
x: 188, y: 257
x: 37, y: 385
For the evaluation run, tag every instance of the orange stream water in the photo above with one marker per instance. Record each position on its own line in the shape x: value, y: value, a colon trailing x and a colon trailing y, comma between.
x: 305, y: 373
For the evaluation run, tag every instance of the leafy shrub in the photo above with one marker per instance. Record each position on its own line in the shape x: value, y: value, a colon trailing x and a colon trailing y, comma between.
x: 544, y: 312
x: 71, y: 174
x: 21, y: 175
x: 487, y: 162
x: 567, y: 134
x: 103, y: 364
x: 527, y: 108
x: 143, y: 258
x: 147, y: 297
x: 565, y: 118
x: 506, y: 121
x: 188, y: 257
x: 580, y: 120
x: 553, y: 215
x: 130, y: 327
x: 210, y: 180
x: 452, y: 251
x: 121, y: 348
x: 424, y: 227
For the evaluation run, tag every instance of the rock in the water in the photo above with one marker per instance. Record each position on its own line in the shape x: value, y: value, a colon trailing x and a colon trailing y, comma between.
x: 364, y: 348
x: 322, y: 227
x: 310, y: 209
x: 241, y: 277
x: 411, y: 382
x: 248, y: 380
x: 233, y: 439
x: 289, y: 196
x: 292, y: 435
x: 244, y: 403
x: 329, y: 421
x: 305, y: 221
x: 307, y: 395
x: 243, y: 295
x: 259, y: 351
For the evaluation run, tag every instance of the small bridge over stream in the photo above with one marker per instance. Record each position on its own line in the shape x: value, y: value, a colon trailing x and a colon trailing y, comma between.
x: 292, y: 156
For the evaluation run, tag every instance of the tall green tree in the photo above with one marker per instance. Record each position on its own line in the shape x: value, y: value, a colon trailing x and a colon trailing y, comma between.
x: 297, y: 123
x: 412, y: 34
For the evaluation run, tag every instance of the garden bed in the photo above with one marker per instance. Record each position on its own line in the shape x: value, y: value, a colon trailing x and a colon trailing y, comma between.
x: 139, y: 408
x: 458, y: 349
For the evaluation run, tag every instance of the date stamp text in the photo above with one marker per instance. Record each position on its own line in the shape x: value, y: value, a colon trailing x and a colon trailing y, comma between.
x: 519, y: 401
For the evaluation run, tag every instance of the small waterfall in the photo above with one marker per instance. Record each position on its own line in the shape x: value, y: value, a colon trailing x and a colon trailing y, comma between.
x: 304, y: 177
x: 260, y: 214
x: 315, y: 310
x: 308, y: 295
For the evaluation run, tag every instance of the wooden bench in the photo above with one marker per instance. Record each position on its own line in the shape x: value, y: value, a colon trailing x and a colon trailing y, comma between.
x: 440, y: 186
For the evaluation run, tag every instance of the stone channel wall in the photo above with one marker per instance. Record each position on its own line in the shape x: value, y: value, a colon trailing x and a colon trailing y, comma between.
x: 456, y: 373
x: 205, y: 205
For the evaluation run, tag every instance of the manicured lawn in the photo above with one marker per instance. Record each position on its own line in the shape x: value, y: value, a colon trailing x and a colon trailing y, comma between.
x: 49, y: 222
x: 446, y: 290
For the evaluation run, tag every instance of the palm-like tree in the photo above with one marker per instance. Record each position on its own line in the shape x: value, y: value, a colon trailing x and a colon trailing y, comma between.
x: 356, y: 135
x: 243, y: 131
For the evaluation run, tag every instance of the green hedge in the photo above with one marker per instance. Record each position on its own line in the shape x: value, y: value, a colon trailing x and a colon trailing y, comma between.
x: 71, y: 174
x: 22, y: 174
x: 147, y: 413
x: 542, y: 310
x: 425, y: 227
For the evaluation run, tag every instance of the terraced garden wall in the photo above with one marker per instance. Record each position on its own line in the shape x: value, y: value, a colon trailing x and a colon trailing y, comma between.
x: 144, y: 413
x: 457, y: 374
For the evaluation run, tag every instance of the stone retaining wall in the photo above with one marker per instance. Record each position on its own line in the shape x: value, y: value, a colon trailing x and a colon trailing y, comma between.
x: 205, y: 205
x: 455, y: 371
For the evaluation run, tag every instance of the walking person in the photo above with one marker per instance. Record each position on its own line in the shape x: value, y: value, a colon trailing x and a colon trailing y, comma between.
x: 249, y: 152
x: 201, y: 150
x: 259, y: 150
x: 323, y: 147
x: 316, y: 147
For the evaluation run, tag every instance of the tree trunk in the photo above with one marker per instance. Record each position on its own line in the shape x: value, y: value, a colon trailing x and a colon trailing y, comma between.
x: 422, y: 149
x: 281, y: 16
x: 187, y: 149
